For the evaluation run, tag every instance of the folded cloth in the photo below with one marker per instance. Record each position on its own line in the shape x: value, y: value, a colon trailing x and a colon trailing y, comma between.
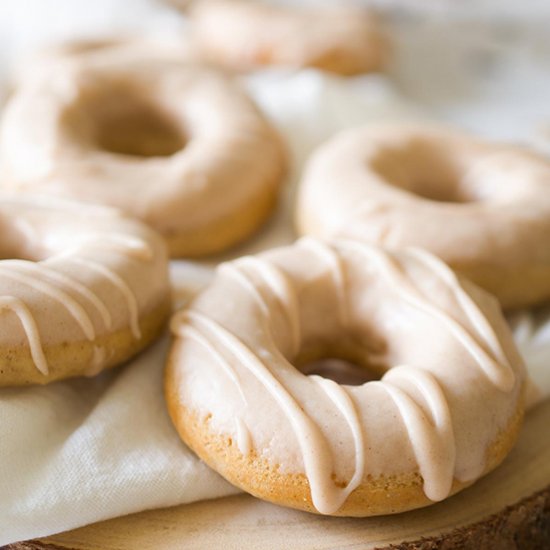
x: 84, y: 450
x: 80, y: 451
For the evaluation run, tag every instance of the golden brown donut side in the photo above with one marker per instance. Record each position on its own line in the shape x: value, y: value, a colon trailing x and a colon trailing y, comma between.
x: 71, y: 359
x: 445, y: 411
x: 257, y: 476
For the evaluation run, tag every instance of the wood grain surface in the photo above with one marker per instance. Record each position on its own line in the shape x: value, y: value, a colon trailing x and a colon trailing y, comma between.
x: 510, y: 508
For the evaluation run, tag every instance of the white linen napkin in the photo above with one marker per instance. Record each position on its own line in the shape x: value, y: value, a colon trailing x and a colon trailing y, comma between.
x: 85, y: 450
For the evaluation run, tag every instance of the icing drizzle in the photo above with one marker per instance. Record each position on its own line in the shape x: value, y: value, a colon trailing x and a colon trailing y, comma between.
x: 478, y: 320
x: 326, y: 496
x: 244, y: 439
x: 121, y: 285
x: 432, y: 438
x: 188, y: 330
x: 31, y: 330
x: 49, y: 290
x: 65, y: 280
x: 415, y: 392
x: 132, y: 246
x: 327, y: 253
x: 269, y: 277
x: 71, y: 294
x: 497, y: 369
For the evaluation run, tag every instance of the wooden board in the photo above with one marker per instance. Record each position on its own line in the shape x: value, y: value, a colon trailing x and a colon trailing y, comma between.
x: 510, y: 508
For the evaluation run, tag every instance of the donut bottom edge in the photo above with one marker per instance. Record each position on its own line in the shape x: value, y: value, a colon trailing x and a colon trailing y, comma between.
x: 379, y: 496
x: 72, y: 359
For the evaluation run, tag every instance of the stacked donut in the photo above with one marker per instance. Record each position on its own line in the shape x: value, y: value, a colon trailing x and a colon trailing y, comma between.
x: 413, y: 239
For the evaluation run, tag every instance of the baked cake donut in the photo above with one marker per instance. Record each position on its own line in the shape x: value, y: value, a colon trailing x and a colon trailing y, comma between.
x: 244, y: 35
x: 125, y: 49
x: 445, y: 411
x: 482, y: 207
x: 89, y: 291
x: 182, y: 148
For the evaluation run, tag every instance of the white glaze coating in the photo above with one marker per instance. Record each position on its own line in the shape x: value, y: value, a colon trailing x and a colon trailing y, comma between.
x: 497, y: 368
x: 118, y: 283
x: 222, y: 153
x: 30, y: 329
x: 80, y: 263
x: 125, y: 48
x: 447, y: 347
x: 43, y: 270
x: 482, y: 207
x: 244, y: 440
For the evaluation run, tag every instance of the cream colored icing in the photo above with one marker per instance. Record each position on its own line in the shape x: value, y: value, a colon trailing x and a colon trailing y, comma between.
x: 431, y: 438
x: 244, y: 441
x: 47, y: 289
x: 126, y: 49
x: 448, y: 353
x: 226, y: 154
x: 325, y: 495
x: 85, y: 260
x: 335, y: 263
x: 497, y: 368
x: 31, y: 330
x: 191, y: 332
x: 484, y: 208
x: 119, y: 283
x: 130, y: 245
x: 277, y: 285
x: 41, y: 271
x: 246, y: 35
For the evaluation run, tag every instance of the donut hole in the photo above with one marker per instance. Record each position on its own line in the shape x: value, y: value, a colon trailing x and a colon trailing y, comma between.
x: 121, y: 121
x: 352, y: 364
x: 426, y: 170
x: 341, y: 371
x: 139, y: 129
x: 15, y: 243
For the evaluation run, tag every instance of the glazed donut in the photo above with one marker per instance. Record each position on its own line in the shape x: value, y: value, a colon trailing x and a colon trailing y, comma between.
x: 90, y: 290
x: 244, y: 35
x: 125, y: 49
x: 483, y: 208
x: 446, y: 410
x: 177, y: 146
